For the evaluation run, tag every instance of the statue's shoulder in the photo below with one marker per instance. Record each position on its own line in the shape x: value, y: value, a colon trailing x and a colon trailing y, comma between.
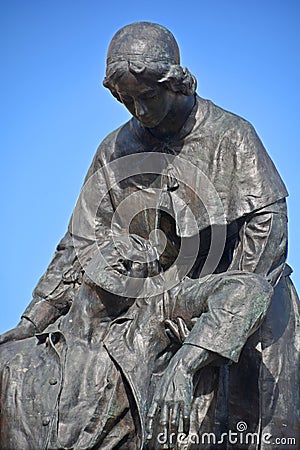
x: 116, y: 142
x: 223, y: 119
x: 120, y: 134
x: 223, y: 127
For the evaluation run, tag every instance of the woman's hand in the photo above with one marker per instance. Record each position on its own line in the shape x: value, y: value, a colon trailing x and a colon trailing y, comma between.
x: 171, y: 403
x: 172, y: 400
x: 177, y: 330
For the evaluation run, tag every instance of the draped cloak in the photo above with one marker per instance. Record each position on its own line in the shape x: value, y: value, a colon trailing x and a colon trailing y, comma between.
x: 213, y: 175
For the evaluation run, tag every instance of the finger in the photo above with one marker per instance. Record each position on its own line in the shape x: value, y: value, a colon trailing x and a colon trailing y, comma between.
x: 174, y: 424
x: 164, y: 415
x: 183, y: 329
x: 186, y: 414
x: 173, y: 328
x: 169, y: 333
x: 150, y: 419
x: 164, y: 420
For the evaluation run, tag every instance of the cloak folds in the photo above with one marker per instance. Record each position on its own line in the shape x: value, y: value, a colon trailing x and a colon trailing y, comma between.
x: 218, y: 153
x: 212, y: 189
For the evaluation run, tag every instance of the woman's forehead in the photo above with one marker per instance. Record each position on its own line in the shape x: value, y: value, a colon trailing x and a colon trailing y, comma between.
x: 129, y: 83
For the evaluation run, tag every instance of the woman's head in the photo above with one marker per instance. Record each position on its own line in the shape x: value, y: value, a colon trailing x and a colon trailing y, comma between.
x: 150, y: 53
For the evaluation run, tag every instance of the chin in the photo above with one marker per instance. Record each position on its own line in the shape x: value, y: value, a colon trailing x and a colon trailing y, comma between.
x: 150, y: 123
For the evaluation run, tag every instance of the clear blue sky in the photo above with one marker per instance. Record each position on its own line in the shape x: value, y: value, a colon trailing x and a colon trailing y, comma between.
x: 54, y: 110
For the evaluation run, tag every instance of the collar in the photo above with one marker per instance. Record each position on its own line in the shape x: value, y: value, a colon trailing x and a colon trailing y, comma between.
x: 196, y: 117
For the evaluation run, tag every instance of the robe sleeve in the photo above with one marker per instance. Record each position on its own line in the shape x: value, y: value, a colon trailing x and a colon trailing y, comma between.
x: 89, y: 226
x: 262, y: 244
x: 56, y: 289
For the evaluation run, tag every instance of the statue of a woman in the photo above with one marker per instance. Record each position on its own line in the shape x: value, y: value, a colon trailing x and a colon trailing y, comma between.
x: 167, y: 317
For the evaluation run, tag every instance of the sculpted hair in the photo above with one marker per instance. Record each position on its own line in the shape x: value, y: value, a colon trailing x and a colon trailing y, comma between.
x: 174, y: 77
x: 180, y: 79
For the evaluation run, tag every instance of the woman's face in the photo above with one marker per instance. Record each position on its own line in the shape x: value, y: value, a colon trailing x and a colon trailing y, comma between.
x: 148, y: 102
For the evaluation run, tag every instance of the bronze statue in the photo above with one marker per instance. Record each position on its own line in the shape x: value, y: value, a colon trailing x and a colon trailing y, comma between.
x: 166, y: 318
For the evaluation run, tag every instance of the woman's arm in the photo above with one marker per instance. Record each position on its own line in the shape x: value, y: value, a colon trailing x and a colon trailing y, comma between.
x: 237, y: 302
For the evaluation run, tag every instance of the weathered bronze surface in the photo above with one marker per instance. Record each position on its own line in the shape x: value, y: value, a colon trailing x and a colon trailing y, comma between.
x: 167, y: 311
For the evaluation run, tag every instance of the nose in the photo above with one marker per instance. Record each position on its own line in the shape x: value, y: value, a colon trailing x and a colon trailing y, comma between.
x: 140, y: 108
